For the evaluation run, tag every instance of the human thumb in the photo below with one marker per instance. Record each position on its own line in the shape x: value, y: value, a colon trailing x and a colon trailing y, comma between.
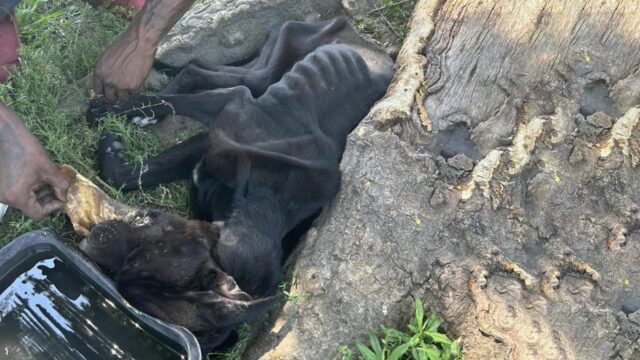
x: 59, y: 184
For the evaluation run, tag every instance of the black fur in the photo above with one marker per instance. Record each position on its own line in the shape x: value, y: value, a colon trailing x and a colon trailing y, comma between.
x: 270, y: 161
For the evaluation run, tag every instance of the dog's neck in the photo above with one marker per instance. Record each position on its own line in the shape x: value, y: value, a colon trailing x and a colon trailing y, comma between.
x: 262, y: 212
x: 249, y: 248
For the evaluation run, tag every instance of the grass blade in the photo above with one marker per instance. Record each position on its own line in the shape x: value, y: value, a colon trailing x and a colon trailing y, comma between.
x: 375, y: 344
x: 433, y: 323
x: 398, y: 352
x: 438, y: 337
x: 419, y: 313
x: 366, y: 352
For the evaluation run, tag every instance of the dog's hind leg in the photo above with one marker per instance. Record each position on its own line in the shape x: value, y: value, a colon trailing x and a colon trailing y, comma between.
x: 284, y: 47
x: 173, y: 164
x: 194, y: 77
x: 202, y: 107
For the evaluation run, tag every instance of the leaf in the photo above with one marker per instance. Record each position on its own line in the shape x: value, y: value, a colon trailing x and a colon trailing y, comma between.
x: 446, y: 352
x: 375, y: 344
x: 433, y: 323
x: 394, y: 334
x: 398, y: 352
x: 364, y: 351
x: 415, y: 354
x: 346, y: 352
x: 419, y: 313
x: 432, y: 352
x: 438, y: 337
x: 421, y: 356
x: 455, y: 348
x: 415, y: 340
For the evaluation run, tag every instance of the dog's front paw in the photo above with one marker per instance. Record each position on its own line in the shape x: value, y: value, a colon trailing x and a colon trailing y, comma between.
x: 99, y: 108
x: 110, y: 159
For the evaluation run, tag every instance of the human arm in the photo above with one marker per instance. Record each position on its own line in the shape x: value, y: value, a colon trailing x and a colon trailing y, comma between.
x: 29, y: 181
x: 126, y: 64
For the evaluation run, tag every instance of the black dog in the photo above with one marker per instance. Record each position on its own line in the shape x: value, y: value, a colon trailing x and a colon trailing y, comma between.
x: 277, y: 130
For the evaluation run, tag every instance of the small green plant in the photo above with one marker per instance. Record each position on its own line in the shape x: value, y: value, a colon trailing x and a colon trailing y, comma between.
x: 347, y: 354
x: 423, y: 342
x: 291, y: 296
x: 235, y: 353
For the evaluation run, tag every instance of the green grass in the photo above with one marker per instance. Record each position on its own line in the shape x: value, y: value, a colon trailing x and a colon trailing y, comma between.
x: 235, y: 353
x: 423, y: 341
x: 396, y: 13
x: 290, y: 294
x: 61, y: 41
x: 389, y: 16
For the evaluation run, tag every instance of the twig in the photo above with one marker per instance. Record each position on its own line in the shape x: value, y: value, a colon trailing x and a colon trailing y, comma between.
x: 391, y: 27
x: 389, y: 5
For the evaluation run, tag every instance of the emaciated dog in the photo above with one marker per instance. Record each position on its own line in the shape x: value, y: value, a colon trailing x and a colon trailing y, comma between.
x: 270, y: 160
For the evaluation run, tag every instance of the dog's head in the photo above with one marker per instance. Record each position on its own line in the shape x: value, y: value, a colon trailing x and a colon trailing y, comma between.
x: 163, y: 264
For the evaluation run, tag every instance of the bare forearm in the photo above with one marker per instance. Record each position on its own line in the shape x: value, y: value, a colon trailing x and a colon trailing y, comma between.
x: 12, y: 152
x: 29, y: 180
x: 156, y: 18
x: 8, y: 118
x: 124, y: 67
x: 11, y: 130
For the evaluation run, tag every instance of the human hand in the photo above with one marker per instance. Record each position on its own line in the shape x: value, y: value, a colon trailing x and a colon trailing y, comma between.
x: 29, y: 181
x: 123, y: 68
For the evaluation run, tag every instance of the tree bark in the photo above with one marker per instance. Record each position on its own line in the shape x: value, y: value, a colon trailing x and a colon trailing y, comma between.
x: 514, y: 217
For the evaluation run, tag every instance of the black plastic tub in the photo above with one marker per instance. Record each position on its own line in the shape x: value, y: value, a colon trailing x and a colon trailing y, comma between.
x: 55, y: 304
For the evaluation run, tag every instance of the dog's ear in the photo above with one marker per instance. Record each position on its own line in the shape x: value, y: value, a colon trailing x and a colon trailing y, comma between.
x: 229, y: 289
x: 198, y: 311
x: 228, y: 312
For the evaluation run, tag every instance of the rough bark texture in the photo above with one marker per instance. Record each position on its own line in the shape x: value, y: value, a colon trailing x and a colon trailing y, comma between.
x: 515, y: 218
x: 410, y: 77
x: 220, y: 32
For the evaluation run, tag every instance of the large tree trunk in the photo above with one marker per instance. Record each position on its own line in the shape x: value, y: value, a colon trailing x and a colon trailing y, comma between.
x: 515, y: 216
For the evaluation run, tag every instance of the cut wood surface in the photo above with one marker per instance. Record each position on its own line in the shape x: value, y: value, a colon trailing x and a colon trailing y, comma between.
x: 515, y: 218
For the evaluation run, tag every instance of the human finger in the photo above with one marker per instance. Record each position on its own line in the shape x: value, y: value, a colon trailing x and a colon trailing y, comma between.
x: 59, y: 184
x: 31, y: 207
x: 45, y: 194
x: 51, y: 206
